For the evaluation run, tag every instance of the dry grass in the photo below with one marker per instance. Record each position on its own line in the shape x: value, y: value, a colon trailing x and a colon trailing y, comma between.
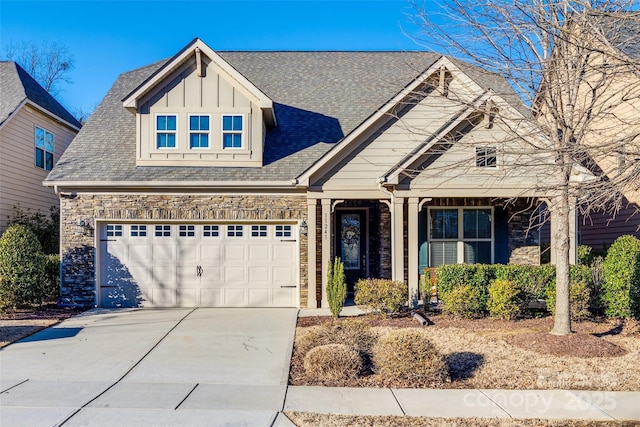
x: 480, y: 354
x: 305, y: 419
x: 332, y: 363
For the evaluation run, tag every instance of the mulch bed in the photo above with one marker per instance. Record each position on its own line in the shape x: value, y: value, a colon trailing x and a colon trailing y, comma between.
x: 47, y: 311
x: 575, y: 345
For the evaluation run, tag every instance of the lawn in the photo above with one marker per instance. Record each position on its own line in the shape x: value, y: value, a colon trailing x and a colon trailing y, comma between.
x: 486, y: 353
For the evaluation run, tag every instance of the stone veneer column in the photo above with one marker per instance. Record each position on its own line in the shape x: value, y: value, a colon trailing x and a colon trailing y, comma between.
x: 311, y: 252
x: 412, y: 242
x: 326, y: 247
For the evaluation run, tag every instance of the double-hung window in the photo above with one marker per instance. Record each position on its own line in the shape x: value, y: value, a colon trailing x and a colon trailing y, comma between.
x: 44, y: 149
x: 232, y: 127
x: 199, y: 131
x: 460, y: 235
x: 166, y: 127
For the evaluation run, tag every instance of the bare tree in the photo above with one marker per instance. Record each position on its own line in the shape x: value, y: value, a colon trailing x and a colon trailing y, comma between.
x: 49, y: 63
x: 571, y: 65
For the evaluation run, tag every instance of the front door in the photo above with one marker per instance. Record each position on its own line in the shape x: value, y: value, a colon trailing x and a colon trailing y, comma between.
x: 351, y: 245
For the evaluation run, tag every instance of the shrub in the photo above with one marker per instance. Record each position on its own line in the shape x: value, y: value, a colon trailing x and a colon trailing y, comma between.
x: 381, y: 296
x: 353, y: 331
x: 463, y: 301
x: 505, y: 299
x: 621, y: 285
x: 332, y: 362
x: 336, y: 287
x: 579, y: 299
x: 478, y: 276
x: 406, y: 354
x: 532, y: 280
x: 52, y: 274
x: 585, y: 255
x: 21, y: 268
x: 46, y: 229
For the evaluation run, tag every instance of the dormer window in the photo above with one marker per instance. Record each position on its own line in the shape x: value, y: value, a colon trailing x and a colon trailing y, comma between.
x: 166, y: 126
x: 199, y: 131
x: 232, y: 127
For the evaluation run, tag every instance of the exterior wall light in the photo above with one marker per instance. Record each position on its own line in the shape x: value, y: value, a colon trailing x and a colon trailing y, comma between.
x: 304, y: 229
x: 83, y: 226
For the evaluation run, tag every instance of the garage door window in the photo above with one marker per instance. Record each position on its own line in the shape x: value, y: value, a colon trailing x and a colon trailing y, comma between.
x: 138, y: 231
x: 163, y: 231
x: 234, y: 230
x: 114, y: 230
x: 258, y: 231
x: 187, y: 231
x: 283, y: 231
x: 210, y: 231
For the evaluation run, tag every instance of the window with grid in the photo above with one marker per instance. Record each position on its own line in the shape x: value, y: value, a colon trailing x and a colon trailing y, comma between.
x: 44, y: 149
x: 187, y: 231
x: 114, y: 230
x: 460, y: 235
x: 283, y: 231
x: 232, y: 127
x: 235, y: 230
x: 166, y: 128
x: 211, y: 231
x: 162, y: 231
x: 198, y: 131
x: 138, y: 231
x: 258, y: 231
x: 486, y: 157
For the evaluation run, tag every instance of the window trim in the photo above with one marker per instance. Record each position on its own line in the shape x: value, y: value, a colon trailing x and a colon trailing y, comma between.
x: 199, y: 132
x: 482, y: 157
x: 156, y: 131
x: 44, y: 150
x: 234, y: 132
x: 461, y: 240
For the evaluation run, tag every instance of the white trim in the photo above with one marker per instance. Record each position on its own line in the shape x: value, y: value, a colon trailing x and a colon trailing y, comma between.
x: 30, y: 103
x: 242, y: 132
x: 156, y: 131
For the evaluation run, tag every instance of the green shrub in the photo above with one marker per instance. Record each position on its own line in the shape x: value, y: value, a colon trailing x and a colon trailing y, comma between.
x: 381, y: 296
x: 621, y: 285
x: 407, y: 355
x: 505, y: 299
x: 579, y: 299
x: 22, y: 268
x: 463, y: 301
x: 52, y: 274
x: 532, y: 280
x: 585, y: 255
x: 46, y: 229
x: 478, y: 276
x: 355, y: 332
x: 332, y: 363
x: 336, y: 287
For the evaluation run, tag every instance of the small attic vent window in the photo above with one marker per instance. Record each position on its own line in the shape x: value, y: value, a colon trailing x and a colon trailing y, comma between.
x: 486, y: 157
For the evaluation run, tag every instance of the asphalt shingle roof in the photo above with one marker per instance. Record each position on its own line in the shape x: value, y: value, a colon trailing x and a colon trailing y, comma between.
x: 16, y: 85
x: 319, y: 97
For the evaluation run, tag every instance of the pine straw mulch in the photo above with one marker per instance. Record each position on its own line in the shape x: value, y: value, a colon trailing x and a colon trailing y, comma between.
x: 522, y: 354
x: 304, y: 419
x: 24, y: 322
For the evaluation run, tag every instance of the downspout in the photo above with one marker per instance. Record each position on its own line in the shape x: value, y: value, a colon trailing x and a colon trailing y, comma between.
x: 380, y: 181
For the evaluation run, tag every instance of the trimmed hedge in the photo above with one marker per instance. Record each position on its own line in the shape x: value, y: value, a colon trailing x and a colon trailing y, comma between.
x: 621, y: 285
x: 505, y: 299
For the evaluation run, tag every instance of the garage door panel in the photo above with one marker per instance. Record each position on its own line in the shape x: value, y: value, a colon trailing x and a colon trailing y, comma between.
x: 284, y: 297
x: 211, y: 297
x: 164, y: 277
x: 163, y: 297
x: 234, y: 276
x: 259, y: 253
x: 235, y: 297
x: 161, y: 252
x: 259, y: 297
x: 284, y: 253
x: 211, y: 253
x: 259, y: 275
x: 284, y: 276
x: 188, y: 297
x: 139, y: 254
x: 123, y: 295
x: 235, y: 252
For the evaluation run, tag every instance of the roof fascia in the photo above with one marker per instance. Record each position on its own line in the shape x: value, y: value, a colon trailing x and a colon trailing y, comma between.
x: 13, y: 113
x: 130, y: 101
x: 53, y: 116
x: 343, y: 145
x: 393, y: 175
x: 170, y: 184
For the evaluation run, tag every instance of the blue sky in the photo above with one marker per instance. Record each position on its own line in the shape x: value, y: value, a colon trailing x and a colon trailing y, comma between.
x: 107, y: 38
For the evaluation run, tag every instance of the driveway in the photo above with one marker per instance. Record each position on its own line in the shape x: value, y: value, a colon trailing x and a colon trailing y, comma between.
x: 192, y: 367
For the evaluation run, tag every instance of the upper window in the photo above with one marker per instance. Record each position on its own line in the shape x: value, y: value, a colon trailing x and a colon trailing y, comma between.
x: 166, y: 126
x: 198, y: 131
x: 486, y: 157
x: 232, y: 127
x: 44, y: 149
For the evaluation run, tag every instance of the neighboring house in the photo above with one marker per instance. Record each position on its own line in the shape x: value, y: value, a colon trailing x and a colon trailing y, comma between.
x: 621, y: 127
x: 34, y: 132
x: 233, y: 178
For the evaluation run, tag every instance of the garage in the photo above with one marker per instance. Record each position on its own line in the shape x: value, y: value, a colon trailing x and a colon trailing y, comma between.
x: 201, y: 264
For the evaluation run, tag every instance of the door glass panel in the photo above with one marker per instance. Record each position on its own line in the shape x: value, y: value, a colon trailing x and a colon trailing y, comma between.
x: 350, y: 239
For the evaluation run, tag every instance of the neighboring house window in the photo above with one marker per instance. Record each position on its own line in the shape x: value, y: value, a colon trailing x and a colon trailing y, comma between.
x: 232, y: 131
x: 166, y: 126
x: 258, y: 231
x: 460, y: 235
x: 486, y: 157
x: 198, y: 131
x: 44, y: 149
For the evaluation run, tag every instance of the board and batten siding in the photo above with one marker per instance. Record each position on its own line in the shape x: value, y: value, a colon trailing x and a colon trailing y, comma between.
x: 215, y: 94
x: 20, y: 179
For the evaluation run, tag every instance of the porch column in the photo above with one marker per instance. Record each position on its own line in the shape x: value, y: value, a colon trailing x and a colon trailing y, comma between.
x: 326, y: 247
x: 412, y: 241
x: 397, y: 247
x: 311, y: 253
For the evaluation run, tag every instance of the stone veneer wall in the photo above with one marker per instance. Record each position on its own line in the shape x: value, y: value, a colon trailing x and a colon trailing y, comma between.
x: 78, y: 251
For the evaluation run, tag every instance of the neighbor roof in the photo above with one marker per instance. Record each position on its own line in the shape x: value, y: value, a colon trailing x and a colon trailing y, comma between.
x: 319, y: 97
x: 16, y: 85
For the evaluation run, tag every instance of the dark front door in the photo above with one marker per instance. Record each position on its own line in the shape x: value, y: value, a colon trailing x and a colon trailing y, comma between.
x: 351, y: 245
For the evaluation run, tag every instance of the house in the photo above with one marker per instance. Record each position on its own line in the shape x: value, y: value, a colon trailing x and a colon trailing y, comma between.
x: 34, y: 132
x: 233, y: 178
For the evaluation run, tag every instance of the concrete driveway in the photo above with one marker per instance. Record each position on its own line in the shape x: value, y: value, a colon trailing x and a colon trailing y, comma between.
x: 141, y: 367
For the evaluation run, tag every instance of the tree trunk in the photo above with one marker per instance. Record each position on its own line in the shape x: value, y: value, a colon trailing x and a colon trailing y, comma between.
x: 560, y: 218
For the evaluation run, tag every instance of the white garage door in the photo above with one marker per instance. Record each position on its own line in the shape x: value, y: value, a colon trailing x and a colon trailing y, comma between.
x: 189, y: 265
